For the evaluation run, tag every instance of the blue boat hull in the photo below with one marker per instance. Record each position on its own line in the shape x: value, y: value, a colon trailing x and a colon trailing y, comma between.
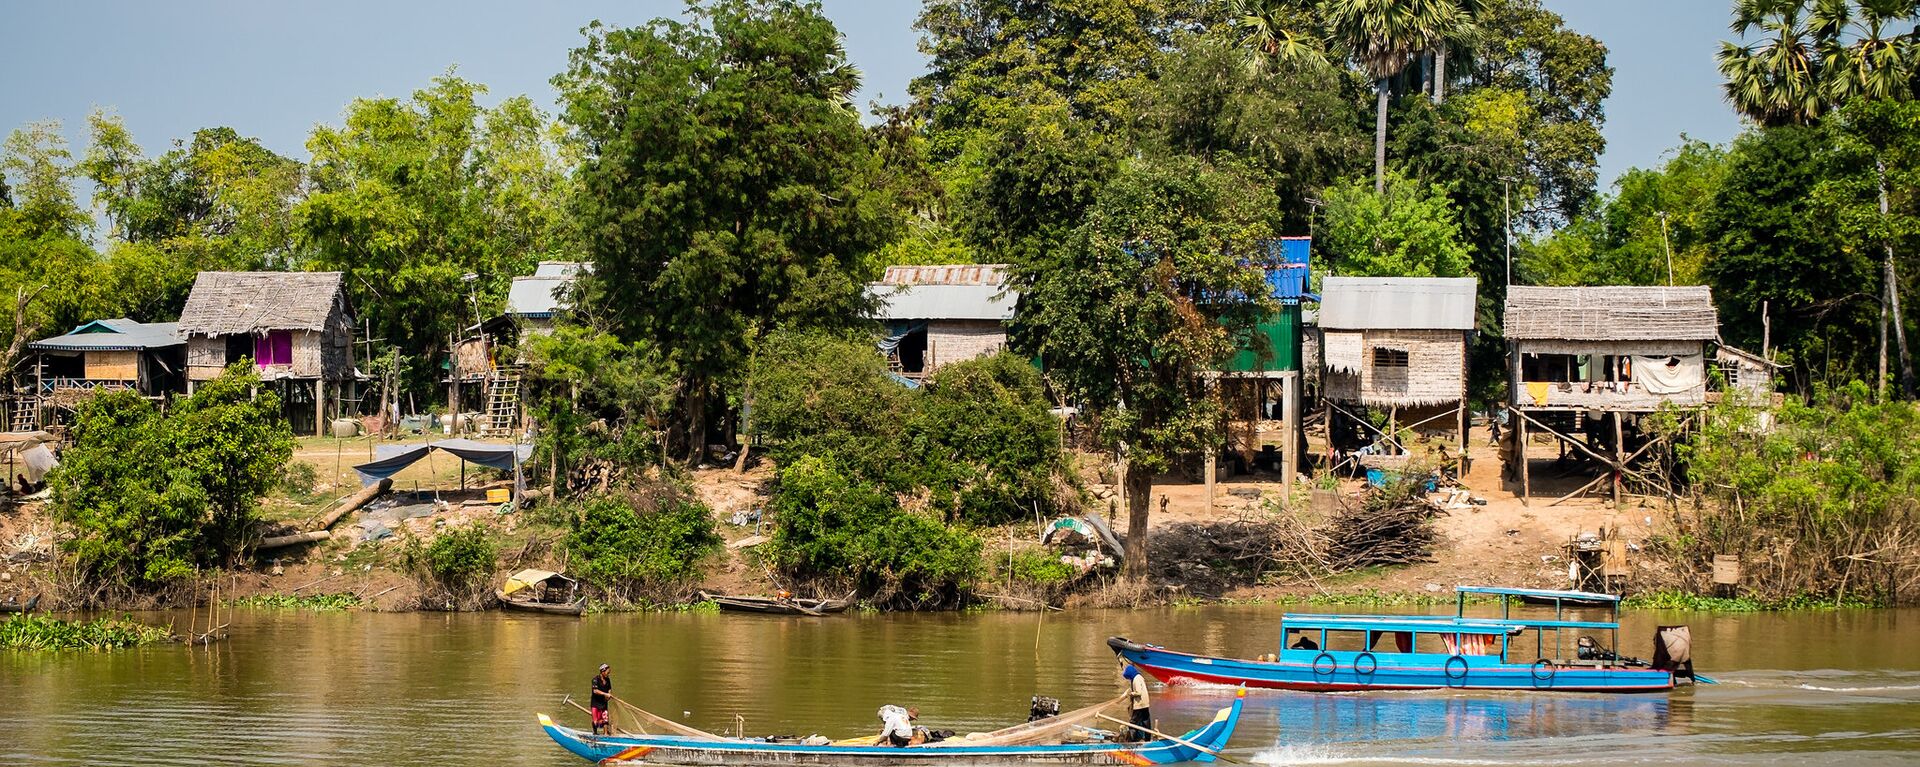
x: 681, y: 750
x: 1336, y: 671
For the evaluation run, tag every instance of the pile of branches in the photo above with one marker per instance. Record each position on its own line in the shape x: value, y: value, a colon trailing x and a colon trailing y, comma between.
x: 1213, y: 556
x: 1382, y: 531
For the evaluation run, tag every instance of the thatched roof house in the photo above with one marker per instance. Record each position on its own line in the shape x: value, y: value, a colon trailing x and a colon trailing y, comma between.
x: 1623, y: 348
x: 292, y: 325
x: 1397, y: 342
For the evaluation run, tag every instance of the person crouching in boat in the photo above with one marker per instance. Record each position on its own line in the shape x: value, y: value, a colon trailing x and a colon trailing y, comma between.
x: 896, y: 726
x: 602, y: 700
x: 1137, y: 700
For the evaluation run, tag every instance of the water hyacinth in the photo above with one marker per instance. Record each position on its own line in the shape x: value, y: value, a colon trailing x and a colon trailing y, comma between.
x: 39, y: 632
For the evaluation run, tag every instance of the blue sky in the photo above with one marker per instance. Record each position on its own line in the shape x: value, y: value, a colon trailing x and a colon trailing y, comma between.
x: 274, y: 70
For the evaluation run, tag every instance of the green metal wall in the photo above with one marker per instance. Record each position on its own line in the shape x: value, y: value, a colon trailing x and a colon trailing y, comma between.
x: 1278, y: 337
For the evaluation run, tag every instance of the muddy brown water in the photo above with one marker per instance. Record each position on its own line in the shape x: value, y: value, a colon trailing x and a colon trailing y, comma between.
x: 303, y: 688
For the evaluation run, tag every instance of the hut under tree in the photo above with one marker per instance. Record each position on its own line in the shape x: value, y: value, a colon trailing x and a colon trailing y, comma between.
x: 1260, y: 385
x: 102, y: 355
x: 1395, y: 346
x: 936, y: 315
x: 1588, y: 364
x: 293, y: 326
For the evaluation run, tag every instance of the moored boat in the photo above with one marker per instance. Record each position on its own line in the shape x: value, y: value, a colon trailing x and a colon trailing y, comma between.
x: 13, y: 606
x: 1344, y: 652
x: 778, y: 605
x: 693, y: 748
x: 541, y: 591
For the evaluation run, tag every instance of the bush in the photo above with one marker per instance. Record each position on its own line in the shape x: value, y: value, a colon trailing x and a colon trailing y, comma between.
x: 153, y: 497
x: 1035, y: 566
x: 459, y: 558
x: 992, y: 450
x: 637, y: 543
x: 832, y: 527
x: 298, y: 478
x: 817, y: 394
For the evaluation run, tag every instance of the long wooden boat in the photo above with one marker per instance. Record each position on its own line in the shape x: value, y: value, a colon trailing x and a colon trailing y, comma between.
x: 11, y: 606
x: 778, y: 605
x: 715, y: 751
x: 541, y: 591
x: 1344, y: 652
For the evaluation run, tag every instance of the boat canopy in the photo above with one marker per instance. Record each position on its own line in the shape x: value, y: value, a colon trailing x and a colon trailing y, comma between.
x: 1445, y: 625
x: 1538, y: 593
x: 526, y: 579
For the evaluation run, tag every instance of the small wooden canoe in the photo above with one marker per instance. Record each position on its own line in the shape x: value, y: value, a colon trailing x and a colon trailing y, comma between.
x: 11, y: 606
x: 777, y: 605
x: 541, y: 591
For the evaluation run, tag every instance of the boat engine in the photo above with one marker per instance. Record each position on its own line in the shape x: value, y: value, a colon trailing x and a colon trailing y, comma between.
x: 1043, y: 708
x: 1589, y: 648
x: 1673, y: 651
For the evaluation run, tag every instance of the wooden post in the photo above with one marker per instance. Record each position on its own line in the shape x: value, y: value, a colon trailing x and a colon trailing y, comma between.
x: 1290, y: 410
x: 1520, y: 454
x: 1213, y: 470
x: 319, y: 407
x: 1619, y: 465
x: 453, y: 402
x: 1464, y: 442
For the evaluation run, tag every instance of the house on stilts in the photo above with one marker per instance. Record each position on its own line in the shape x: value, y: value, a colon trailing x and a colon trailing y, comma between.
x: 1588, y: 365
x: 484, y: 370
x: 1395, y: 347
x: 293, y: 327
x: 103, y: 355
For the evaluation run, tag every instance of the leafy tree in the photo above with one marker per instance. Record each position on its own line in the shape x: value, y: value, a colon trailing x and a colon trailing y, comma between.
x: 41, y: 171
x: 599, y: 404
x: 723, y: 191
x: 1867, y: 191
x: 408, y: 197
x: 154, y: 496
x: 991, y: 448
x: 1814, y: 55
x: 1627, y: 238
x: 817, y: 394
x: 1382, y: 36
x: 458, y: 560
x: 1409, y: 231
x: 1146, y: 295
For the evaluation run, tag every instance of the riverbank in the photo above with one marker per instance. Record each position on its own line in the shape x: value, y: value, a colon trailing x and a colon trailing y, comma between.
x: 1487, y: 536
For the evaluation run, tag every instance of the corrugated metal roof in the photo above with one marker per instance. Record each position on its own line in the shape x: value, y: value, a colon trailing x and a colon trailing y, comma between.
x: 543, y: 293
x: 114, y: 335
x: 946, y: 274
x: 1611, y: 313
x: 561, y: 268
x: 1397, y: 303
x: 943, y: 302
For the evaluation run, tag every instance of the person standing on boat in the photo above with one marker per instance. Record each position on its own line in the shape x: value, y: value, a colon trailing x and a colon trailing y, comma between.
x: 602, y: 700
x: 1138, y: 701
x: 897, y: 726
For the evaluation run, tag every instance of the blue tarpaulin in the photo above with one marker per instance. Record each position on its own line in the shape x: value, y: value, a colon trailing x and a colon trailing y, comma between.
x: 390, y: 459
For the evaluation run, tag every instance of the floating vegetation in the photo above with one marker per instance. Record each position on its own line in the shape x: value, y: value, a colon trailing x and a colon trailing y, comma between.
x: 39, y: 632
x: 342, y: 601
x: 1680, y: 600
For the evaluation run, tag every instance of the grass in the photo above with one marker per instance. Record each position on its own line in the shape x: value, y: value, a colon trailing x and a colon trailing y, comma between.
x: 37, y: 632
x: 1679, y: 600
x: 323, y: 602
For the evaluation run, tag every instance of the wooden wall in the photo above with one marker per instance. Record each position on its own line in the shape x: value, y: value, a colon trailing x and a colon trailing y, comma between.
x: 113, y: 365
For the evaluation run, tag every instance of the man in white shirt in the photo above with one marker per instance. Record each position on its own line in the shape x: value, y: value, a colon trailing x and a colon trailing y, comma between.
x: 1138, y: 701
x: 897, y: 726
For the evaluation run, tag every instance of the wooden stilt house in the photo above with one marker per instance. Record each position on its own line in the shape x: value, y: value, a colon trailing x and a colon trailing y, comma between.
x: 1398, y: 346
x: 293, y: 326
x: 1589, y: 363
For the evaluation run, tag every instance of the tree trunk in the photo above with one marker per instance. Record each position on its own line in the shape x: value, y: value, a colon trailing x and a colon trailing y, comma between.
x: 21, y: 328
x: 1893, y: 304
x: 696, y: 422
x: 1139, y: 506
x: 1440, y: 74
x: 746, y: 408
x: 1380, y: 138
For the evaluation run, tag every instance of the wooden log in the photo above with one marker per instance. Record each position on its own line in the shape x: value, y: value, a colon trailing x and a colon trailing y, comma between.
x: 355, y: 501
x: 282, y: 541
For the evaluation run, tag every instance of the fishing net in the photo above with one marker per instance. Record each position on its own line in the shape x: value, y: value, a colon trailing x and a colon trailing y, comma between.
x: 625, y: 713
x: 1050, y: 730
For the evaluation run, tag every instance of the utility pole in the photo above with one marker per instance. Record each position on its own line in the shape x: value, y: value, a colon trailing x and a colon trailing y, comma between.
x: 1506, y: 205
x: 1668, y: 246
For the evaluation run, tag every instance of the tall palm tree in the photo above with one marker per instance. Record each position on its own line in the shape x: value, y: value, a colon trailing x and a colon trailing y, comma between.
x: 1276, y: 30
x: 1464, y: 33
x: 1875, y: 63
x: 1383, y: 35
x: 1778, y: 79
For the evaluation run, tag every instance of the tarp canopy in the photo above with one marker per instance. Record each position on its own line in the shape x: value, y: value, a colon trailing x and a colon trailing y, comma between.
x: 390, y: 459
x: 525, y: 579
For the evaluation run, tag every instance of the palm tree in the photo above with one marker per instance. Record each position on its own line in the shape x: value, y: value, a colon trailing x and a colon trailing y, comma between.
x: 1777, y: 80
x: 1876, y: 64
x: 1276, y: 30
x: 1382, y: 36
x: 1464, y: 33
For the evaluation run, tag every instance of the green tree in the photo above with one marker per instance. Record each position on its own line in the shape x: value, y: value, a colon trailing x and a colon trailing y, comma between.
x: 40, y: 172
x: 1146, y: 295
x: 152, y: 496
x: 838, y: 529
x: 1381, y: 36
x: 723, y: 191
x: 1408, y: 231
x: 599, y: 403
x: 1812, y: 56
x: 991, y: 448
x: 640, y: 543
x: 1627, y: 239
x: 1867, y: 191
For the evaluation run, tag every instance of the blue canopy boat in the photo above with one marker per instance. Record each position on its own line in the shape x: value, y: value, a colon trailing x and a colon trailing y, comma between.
x: 693, y: 747
x: 1345, y: 652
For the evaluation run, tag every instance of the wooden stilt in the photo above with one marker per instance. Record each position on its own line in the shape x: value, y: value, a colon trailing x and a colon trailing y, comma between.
x: 1213, y: 470
x: 319, y: 407
x: 1290, y: 450
x: 1520, y: 454
x: 1619, y: 446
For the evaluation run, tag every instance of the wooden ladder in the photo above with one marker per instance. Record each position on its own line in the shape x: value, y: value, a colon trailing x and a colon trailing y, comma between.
x: 26, y: 414
x: 503, y: 400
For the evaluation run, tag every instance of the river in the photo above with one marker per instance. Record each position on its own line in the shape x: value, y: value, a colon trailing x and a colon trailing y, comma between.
x: 350, y: 688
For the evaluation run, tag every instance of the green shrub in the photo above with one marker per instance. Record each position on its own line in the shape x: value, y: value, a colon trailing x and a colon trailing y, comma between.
x: 831, y: 527
x: 298, y: 478
x: 153, y: 497
x: 319, y: 602
x: 637, y: 543
x: 818, y: 394
x: 992, y: 450
x: 1035, y: 566
x: 458, y: 558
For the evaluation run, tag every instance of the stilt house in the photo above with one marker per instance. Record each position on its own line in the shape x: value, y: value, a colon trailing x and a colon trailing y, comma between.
x: 103, y: 355
x: 1588, y: 362
x: 293, y: 326
x: 936, y: 315
x: 1398, y: 345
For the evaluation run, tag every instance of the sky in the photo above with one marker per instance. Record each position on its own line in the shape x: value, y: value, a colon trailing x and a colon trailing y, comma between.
x: 274, y: 70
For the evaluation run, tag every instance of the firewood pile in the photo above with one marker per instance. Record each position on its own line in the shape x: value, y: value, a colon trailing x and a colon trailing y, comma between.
x: 1212, y: 556
x: 1396, y: 533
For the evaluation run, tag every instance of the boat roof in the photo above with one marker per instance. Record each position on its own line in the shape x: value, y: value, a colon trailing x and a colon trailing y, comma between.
x: 1541, y: 593
x: 1422, y: 624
